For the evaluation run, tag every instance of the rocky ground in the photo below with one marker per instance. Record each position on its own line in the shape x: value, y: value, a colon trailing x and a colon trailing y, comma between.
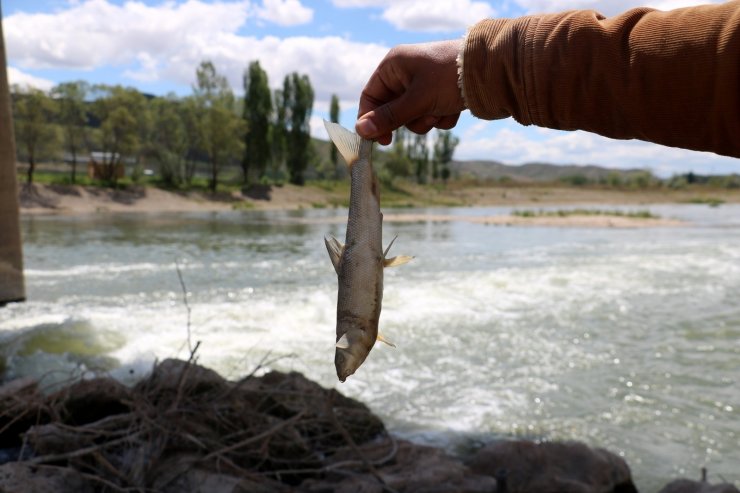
x: 184, y: 428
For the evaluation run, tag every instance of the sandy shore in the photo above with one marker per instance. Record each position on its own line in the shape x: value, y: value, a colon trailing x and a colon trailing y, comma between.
x: 81, y: 200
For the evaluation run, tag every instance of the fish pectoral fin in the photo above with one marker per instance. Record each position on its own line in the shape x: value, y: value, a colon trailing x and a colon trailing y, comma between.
x: 335, y: 249
x: 348, y: 143
x: 396, y: 261
x: 343, y: 342
x: 382, y: 339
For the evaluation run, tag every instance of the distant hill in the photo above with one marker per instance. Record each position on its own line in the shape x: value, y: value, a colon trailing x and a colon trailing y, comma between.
x: 534, y: 172
x: 495, y: 170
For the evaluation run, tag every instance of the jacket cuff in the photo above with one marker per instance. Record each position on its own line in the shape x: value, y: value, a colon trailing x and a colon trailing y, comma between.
x: 492, y: 68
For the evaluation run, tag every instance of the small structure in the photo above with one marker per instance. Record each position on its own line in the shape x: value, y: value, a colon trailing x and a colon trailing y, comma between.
x: 105, y: 166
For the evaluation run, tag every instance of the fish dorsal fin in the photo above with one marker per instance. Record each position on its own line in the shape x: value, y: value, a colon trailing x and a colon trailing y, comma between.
x: 335, y: 249
x: 343, y: 342
x: 382, y: 339
x: 348, y: 143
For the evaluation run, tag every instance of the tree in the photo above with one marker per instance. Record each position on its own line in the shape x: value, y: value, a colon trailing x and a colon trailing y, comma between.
x: 124, y: 120
x: 444, y: 148
x: 36, y: 137
x: 334, y: 117
x: 418, y: 152
x: 279, y: 132
x: 299, y: 96
x: 397, y: 163
x: 11, y: 253
x: 73, y: 118
x: 257, y: 113
x: 190, y: 116
x: 221, y: 129
x: 169, y: 146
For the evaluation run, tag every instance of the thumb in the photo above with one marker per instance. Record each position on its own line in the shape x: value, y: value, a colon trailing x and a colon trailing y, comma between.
x: 388, y: 117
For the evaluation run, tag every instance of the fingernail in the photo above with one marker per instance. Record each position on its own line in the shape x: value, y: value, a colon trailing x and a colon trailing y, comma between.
x: 366, y: 127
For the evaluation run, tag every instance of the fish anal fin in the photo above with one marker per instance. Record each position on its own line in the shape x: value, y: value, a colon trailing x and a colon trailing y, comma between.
x: 382, y: 339
x: 348, y: 143
x: 335, y: 249
x: 396, y: 261
x: 343, y: 342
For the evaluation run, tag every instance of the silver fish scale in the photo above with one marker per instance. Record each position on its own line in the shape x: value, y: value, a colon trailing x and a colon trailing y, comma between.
x: 361, y: 268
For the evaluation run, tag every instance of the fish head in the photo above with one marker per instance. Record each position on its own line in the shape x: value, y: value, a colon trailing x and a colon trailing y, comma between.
x: 353, y: 346
x: 346, y: 363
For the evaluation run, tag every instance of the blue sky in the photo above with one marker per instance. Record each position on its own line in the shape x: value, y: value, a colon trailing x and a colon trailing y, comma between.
x: 156, y: 45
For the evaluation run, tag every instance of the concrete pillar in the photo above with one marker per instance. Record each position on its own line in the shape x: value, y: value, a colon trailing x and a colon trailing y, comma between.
x: 11, y: 254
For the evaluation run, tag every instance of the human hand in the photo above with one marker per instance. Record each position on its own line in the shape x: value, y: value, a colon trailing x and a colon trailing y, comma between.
x: 415, y: 86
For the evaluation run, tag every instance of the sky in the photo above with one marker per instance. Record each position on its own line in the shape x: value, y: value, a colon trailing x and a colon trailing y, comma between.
x: 156, y: 45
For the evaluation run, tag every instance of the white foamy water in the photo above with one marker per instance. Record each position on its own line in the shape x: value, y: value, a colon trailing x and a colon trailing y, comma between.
x: 627, y: 339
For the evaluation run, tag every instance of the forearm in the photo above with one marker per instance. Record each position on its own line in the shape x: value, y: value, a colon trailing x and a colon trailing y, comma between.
x: 666, y: 77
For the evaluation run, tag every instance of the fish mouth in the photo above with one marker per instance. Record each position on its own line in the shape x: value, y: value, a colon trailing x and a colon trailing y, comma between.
x: 343, y: 365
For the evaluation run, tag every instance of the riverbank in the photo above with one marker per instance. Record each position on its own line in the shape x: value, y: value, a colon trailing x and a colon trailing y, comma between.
x: 185, y: 428
x: 80, y: 200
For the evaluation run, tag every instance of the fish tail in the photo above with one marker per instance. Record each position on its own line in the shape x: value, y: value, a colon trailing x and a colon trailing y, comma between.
x: 348, y: 143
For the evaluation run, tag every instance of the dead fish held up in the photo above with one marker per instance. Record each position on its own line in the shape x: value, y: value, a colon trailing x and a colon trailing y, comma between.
x: 359, y: 263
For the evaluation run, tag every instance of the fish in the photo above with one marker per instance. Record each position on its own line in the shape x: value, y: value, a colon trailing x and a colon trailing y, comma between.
x: 360, y: 261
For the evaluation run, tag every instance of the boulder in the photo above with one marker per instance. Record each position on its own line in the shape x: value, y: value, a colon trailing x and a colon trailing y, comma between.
x: 688, y: 486
x: 17, y: 477
x: 562, y: 467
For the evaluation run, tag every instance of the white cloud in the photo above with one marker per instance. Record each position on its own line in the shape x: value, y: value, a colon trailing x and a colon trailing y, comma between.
x: 514, y: 146
x: 25, y: 80
x: 285, y: 12
x: 97, y: 32
x: 167, y: 42
x: 606, y: 7
x: 427, y: 15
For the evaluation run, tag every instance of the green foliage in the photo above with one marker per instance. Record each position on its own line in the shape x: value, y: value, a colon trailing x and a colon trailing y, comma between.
x: 37, y: 138
x: 710, y: 201
x: 334, y: 117
x: 279, y: 132
x: 444, y: 148
x: 575, y: 180
x: 257, y: 114
x: 220, y: 129
x: 73, y: 118
x: 640, y: 214
x: 125, y: 123
x: 418, y: 152
x: 298, y: 97
x: 169, y: 141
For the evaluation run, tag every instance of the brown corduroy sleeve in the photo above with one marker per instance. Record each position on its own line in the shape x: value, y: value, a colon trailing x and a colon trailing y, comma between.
x: 666, y: 77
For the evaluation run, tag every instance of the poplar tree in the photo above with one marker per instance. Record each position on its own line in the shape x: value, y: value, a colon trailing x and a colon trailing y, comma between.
x: 334, y: 117
x: 418, y: 153
x: 279, y: 130
x: 444, y: 148
x: 299, y: 97
x: 257, y: 113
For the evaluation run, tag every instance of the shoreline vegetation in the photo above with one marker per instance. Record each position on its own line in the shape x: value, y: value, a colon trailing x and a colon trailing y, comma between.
x: 534, y: 204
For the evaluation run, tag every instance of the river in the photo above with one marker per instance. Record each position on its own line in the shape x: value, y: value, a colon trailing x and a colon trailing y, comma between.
x: 623, y: 338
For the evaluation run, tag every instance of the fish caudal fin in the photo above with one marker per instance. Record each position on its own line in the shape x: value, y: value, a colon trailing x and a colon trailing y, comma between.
x: 394, y: 261
x: 348, y: 143
x: 335, y: 249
